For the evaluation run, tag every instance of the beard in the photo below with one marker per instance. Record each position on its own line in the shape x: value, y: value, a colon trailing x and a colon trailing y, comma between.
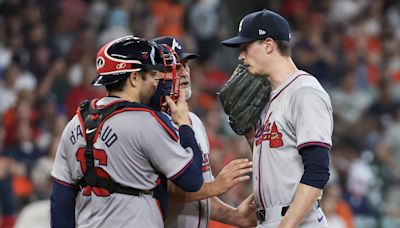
x: 188, y: 92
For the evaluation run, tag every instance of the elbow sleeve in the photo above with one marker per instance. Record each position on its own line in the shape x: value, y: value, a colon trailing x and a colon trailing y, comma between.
x: 189, y: 180
x: 187, y: 139
x: 62, y: 200
x: 316, y: 166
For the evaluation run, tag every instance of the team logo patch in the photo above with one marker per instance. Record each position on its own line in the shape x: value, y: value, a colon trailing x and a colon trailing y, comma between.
x: 120, y: 66
x: 269, y: 132
x: 175, y: 44
x: 100, y: 62
x: 240, y: 25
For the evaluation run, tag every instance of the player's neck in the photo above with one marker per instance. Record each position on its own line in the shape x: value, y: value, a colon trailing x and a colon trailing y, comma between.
x: 281, y: 72
x: 124, y: 96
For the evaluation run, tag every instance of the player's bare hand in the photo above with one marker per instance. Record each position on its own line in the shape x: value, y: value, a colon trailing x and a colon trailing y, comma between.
x: 179, y: 110
x: 231, y: 175
x: 246, y: 213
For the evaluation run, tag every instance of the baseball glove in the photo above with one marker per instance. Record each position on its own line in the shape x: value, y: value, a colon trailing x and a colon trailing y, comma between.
x: 243, y: 98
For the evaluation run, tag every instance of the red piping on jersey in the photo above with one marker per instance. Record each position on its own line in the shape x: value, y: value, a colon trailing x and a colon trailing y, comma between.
x: 182, y: 170
x: 159, y: 208
x: 159, y: 120
x: 65, y: 183
x: 81, y: 121
x: 302, y: 146
x: 259, y: 178
x: 169, y: 131
x: 266, y: 120
x: 288, y: 85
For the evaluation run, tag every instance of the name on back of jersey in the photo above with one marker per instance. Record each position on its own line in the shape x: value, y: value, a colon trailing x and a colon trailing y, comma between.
x: 106, y: 134
x: 269, y: 131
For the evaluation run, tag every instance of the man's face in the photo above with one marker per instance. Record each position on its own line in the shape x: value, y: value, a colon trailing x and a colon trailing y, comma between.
x: 148, y: 87
x: 184, y: 74
x: 253, y: 57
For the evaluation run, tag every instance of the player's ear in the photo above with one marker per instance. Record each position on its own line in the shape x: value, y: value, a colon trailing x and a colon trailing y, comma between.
x: 132, y: 79
x: 269, y: 44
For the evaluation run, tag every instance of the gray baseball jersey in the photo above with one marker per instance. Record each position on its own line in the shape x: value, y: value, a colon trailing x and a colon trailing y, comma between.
x: 298, y: 114
x: 193, y: 214
x: 132, y: 147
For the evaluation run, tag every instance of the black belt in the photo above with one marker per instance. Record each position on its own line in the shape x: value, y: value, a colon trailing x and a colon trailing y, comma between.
x: 261, y: 213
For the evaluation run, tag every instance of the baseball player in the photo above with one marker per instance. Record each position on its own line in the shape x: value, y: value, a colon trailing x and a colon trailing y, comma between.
x: 115, y: 154
x: 196, y: 209
x: 293, y: 138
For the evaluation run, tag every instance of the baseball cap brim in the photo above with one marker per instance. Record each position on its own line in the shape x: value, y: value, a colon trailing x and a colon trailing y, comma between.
x: 102, y: 80
x: 237, y: 41
x: 188, y: 56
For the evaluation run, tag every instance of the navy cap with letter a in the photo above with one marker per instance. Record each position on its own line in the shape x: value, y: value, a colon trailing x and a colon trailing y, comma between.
x: 260, y: 25
x: 177, y: 46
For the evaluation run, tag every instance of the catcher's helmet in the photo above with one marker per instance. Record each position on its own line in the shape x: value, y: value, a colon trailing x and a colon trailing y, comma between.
x: 118, y: 58
x: 168, y: 84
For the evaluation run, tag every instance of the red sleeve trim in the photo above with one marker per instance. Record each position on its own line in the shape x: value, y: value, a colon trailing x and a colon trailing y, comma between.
x: 182, y: 170
x: 78, y: 113
x: 302, y: 146
x: 159, y: 208
x: 65, y: 183
x: 171, y: 133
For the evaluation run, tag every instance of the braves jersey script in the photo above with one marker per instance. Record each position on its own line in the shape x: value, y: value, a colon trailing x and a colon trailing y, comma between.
x: 131, y: 148
x: 193, y: 214
x: 298, y: 114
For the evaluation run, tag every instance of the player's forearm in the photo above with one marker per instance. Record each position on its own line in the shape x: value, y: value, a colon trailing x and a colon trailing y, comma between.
x: 304, y: 199
x: 222, y: 212
x: 206, y: 191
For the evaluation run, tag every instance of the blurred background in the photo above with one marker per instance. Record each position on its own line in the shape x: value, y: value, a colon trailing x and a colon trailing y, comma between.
x: 47, y: 59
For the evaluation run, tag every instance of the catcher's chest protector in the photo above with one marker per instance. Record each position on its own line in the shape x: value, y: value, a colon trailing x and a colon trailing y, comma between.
x: 92, y: 120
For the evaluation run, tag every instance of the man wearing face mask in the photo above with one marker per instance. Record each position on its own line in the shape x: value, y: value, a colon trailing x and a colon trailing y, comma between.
x: 195, y: 209
x: 116, y: 153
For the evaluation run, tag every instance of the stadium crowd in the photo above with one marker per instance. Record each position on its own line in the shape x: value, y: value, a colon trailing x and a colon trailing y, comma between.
x: 47, y: 59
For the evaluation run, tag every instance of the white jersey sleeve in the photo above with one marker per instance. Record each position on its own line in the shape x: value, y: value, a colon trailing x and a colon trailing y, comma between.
x: 165, y: 154
x: 312, y: 117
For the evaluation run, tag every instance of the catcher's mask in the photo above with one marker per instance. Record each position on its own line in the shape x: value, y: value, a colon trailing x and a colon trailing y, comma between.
x: 169, y: 80
x: 117, y: 59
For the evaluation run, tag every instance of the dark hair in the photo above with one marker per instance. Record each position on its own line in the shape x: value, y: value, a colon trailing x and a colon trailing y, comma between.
x: 118, y: 85
x: 284, y: 47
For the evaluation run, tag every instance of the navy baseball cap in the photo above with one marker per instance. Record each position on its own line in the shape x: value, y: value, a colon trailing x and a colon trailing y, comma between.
x: 260, y: 25
x: 176, y: 46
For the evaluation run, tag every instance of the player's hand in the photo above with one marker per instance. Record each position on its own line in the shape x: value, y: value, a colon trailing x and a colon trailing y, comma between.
x: 180, y: 110
x: 246, y: 213
x: 231, y: 175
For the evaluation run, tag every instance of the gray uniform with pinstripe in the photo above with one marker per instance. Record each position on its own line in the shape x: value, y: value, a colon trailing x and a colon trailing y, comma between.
x: 298, y: 114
